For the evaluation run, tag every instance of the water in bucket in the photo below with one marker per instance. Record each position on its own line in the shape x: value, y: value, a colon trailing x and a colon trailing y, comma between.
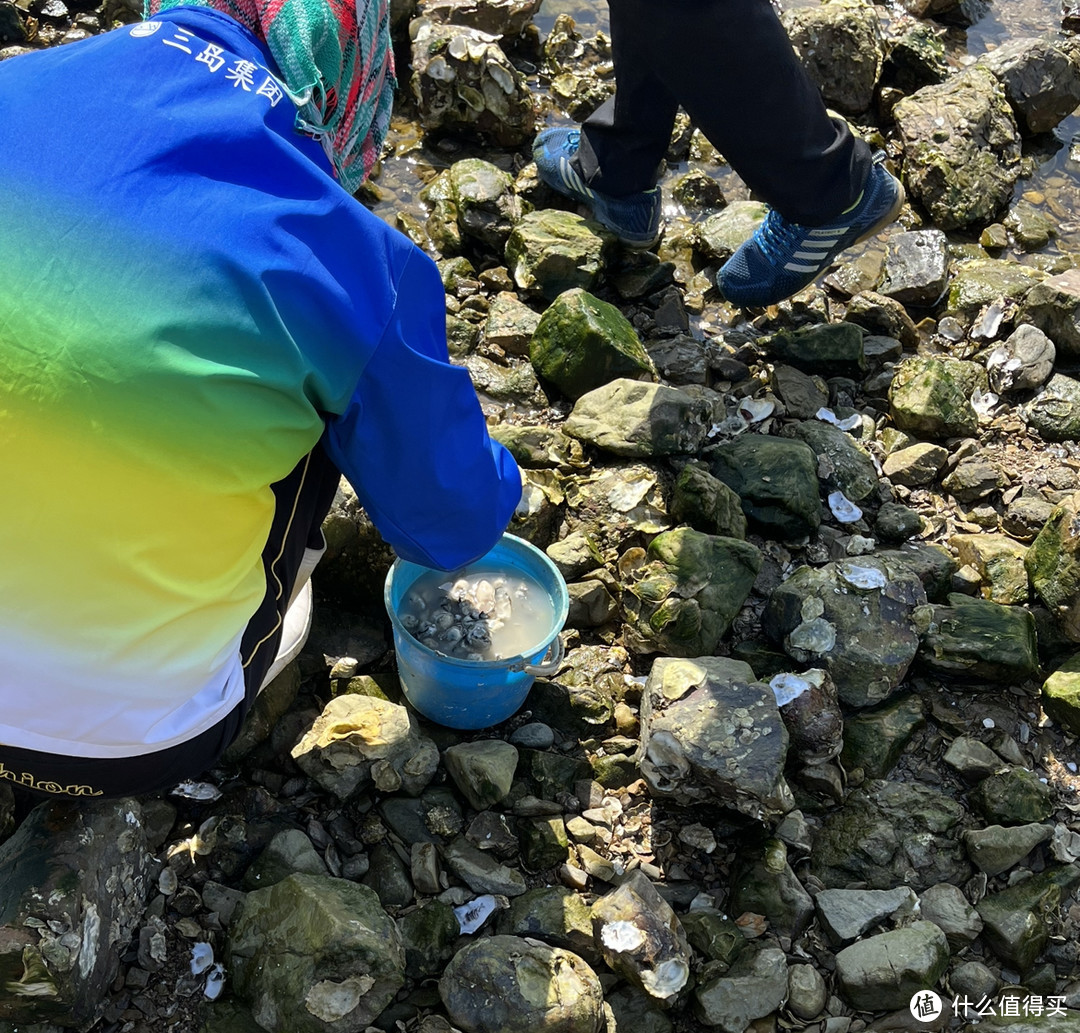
x: 480, y: 615
x: 484, y: 682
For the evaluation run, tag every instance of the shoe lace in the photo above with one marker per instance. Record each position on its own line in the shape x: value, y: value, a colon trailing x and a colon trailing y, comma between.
x: 573, y: 138
x: 778, y: 238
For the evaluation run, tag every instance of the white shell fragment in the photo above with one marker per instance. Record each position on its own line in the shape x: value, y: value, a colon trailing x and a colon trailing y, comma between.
x: 475, y: 913
x: 202, y: 957
x: 843, y: 508
x: 622, y: 936
x: 859, y: 576
x: 215, y: 982
x: 788, y: 687
x: 191, y: 790
x: 847, y: 423
x: 755, y: 410
x: 983, y: 402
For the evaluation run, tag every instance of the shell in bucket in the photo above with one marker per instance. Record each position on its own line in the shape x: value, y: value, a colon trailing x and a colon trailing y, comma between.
x: 471, y: 694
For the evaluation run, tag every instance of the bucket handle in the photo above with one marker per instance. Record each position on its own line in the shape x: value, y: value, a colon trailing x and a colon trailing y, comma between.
x: 546, y: 667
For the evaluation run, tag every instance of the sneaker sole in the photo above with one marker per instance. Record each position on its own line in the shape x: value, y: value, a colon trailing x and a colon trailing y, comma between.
x: 888, y: 217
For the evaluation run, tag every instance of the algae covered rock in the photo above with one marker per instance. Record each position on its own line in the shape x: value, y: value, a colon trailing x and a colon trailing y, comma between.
x: 981, y: 640
x: 961, y: 148
x: 932, y: 396
x: 582, y: 343
x: 552, y: 251
x: 312, y: 954
x: 776, y: 478
x: 683, y: 599
x: 639, y: 420
x: 1053, y: 564
x: 888, y: 834
x: 518, y: 985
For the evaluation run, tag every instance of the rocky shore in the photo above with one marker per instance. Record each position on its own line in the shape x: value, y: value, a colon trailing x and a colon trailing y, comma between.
x: 810, y: 762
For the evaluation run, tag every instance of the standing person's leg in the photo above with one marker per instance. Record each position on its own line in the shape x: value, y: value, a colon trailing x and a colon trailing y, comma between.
x: 730, y: 65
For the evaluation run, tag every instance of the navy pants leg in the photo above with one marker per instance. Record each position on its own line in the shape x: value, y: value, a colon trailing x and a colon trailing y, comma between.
x: 729, y: 64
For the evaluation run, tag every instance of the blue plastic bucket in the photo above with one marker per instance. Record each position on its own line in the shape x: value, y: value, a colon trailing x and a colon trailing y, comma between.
x: 473, y: 694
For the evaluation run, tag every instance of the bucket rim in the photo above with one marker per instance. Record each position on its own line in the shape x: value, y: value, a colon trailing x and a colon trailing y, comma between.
x: 562, y: 609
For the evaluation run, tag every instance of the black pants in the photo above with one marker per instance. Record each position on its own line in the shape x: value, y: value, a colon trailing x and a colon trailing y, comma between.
x: 302, y: 501
x: 730, y: 65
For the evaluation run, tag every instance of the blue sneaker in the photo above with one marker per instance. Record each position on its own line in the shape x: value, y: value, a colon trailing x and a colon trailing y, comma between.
x: 783, y: 257
x: 634, y: 219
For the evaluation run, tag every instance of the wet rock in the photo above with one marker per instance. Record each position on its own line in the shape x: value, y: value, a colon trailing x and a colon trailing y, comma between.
x: 754, y: 986
x: 1023, y: 362
x: 580, y: 699
x: 889, y: 834
x: 972, y: 480
x: 1055, y: 410
x: 885, y: 971
x: 480, y: 872
x: 74, y: 879
x: 827, y: 348
x: 1053, y: 566
x: 510, y: 324
x: 390, y: 876
x: 765, y: 884
x: 290, y: 851
x: 557, y: 915
x: 1013, y: 797
x: 846, y: 914
x: 874, y: 739
x: 978, y: 283
x: 719, y: 234
x: 856, y: 619
x: 932, y: 396
x: 1061, y: 695
x: 482, y: 770
x: 463, y: 83
x: 641, y: 938
x: 917, y: 58
x: 690, y: 706
x: 1015, y: 920
x: 314, y: 954
x: 1041, y: 80
x: 497, y: 17
x: 981, y: 640
x: 634, y: 1011
x: 842, y: 50
x: 639, y: 420
x: 844, y: 464
x: 776, y: 479
x: 707, y: 504
x: 582, y: 343
x: 882, y: 317
x: 915, y: 465
x: 997, y: 848
x: 478, y: 198
x: 961, y: 148
x: 947, y: 907
x: 360, y: 740
x: 551, y: 251
x: 428, y: 935
x: 684, y: 596
x: 520, y: 985
x: 1053, y: 305
x: 999, y: 561
x: 271, y: 704
x: 1029, y: 227
x: 516, y: 383
x: 591, y: 604
x: 12, y: 29
x: 916, y: 267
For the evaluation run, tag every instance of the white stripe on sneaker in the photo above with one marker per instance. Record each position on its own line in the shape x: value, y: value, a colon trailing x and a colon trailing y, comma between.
x: 572, y: 180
